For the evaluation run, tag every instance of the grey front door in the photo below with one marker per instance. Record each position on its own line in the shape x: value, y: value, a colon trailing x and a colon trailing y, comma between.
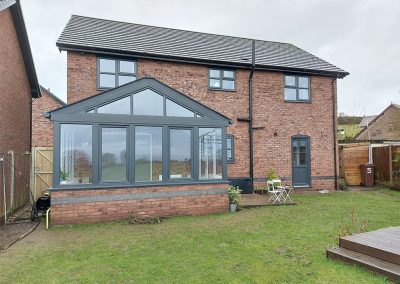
x: 301, y: 172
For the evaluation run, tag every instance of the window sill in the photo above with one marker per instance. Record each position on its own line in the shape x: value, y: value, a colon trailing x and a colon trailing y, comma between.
x: 301, y: 102
x: 222, y: 90
x: 125, y: 185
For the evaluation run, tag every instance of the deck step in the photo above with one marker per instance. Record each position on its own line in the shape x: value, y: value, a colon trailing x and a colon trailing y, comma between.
x: 373, y: 264
x: 382, y: 244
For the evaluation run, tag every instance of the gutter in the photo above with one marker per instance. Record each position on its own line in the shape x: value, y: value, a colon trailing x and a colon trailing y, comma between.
x: 245, y: 65
x: 253, y: 63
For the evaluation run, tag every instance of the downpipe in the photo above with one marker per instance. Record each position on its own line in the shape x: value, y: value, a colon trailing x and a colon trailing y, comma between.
x: 334, y: 131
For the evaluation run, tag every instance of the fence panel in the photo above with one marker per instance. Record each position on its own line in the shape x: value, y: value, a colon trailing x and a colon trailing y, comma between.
x: 380, y: 156
x: 351, y: 156
x: 15, y: 181
x: 42, y: 173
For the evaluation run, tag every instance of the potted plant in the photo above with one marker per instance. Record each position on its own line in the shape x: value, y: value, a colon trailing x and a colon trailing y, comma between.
x: 343, y: 184
x: 234, y: 195
x: 271, y: 174
x: 63, y: 177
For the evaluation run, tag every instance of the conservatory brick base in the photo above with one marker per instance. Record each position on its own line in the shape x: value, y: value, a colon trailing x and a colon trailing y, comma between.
x: 94, y: 205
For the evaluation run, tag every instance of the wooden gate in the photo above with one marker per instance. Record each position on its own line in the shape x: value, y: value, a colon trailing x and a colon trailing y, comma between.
x: 42, y: 170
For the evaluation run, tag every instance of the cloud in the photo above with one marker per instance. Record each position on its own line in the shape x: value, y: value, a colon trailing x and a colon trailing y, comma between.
x: 360, y: 36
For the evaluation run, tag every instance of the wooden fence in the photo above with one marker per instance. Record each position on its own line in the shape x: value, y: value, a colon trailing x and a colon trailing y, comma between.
x: 387, y: 165
x: 15, y: 182
x: 42, y: 170
x: 351, y: 156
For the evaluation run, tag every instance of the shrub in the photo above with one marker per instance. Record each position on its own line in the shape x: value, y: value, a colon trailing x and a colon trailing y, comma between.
x: 134, y: 219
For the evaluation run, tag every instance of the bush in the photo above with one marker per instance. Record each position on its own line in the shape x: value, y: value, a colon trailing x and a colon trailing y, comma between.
x: 234, y: 194
x: 134, y: 219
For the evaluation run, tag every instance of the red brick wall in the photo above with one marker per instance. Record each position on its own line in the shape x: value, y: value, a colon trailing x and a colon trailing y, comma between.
x: 271, y: 113
x: 89, y: 212
x: 81, y: 76
x: 15, y: 95
x: 42, y: 128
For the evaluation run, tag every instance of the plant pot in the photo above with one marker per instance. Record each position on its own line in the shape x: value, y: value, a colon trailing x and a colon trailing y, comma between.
x: 232, y: 207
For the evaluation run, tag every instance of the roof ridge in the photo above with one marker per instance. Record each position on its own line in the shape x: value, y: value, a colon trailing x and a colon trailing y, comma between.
x: 183, y: 30
x: 52, y: 95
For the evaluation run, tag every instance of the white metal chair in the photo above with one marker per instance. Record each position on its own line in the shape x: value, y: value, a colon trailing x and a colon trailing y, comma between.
x: 276, y: 190
x: 286, y: 190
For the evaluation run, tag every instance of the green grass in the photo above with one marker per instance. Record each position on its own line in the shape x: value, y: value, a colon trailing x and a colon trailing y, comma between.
x: 283, y: 244
x: 350, y: 131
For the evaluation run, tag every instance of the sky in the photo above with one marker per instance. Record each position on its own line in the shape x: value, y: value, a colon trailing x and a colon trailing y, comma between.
x: 359, y: 36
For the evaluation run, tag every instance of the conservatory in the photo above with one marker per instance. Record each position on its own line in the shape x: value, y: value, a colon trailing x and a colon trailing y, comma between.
x: 143, y: 133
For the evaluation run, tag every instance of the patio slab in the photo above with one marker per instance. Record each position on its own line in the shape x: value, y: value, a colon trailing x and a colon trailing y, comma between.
x: 255, y: 200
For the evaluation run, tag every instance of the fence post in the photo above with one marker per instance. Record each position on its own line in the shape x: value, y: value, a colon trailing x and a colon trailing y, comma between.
x: 32, y: 172
x: 12, y: 181
x: 390, y: 166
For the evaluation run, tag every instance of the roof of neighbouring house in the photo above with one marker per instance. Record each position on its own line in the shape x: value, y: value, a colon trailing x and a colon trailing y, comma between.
x: 53, y: 96
x: 366, y: 120
x: 106, y: 36
x: 22, y: 35
x: 372, y: 121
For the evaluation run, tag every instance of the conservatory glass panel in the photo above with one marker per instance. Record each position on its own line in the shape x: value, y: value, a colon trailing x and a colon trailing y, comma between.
x: 113, y: 154
x: 122, y: 106
x: 75, y: 154
x: 148, y: 153
x: 174, y: 109
x: 148, y: 102
x: 210, y: 153
x: 180, y: 154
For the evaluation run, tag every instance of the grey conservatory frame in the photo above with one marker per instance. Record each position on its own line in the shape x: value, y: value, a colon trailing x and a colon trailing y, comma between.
x: 76, y: 113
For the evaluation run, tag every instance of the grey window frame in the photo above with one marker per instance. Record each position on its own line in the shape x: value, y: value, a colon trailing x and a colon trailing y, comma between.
x: 232, y: 137
x: 76, y: 114
x: 221, y: 78
x: 116, y: 73
x: 297, y: 88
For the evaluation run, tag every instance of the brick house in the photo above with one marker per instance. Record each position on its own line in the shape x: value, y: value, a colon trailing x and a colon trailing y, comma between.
x: 18, y: 85
x: 42, y: 128
x: 385, y: 126
x: 160, y: 120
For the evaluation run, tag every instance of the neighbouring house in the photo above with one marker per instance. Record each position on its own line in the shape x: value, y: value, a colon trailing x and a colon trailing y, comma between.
x: 383, y: 127
x: 159, y: 121
x: 42, y: 128
x: 18, y: 85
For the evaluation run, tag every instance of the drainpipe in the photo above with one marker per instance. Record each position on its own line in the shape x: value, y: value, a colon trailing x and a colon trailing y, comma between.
x: 334, y: 130
x: 4, y: 190
x: 253, y: 63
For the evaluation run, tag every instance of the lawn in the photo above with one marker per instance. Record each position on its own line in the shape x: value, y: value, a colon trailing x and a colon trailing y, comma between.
x: 281, y: 244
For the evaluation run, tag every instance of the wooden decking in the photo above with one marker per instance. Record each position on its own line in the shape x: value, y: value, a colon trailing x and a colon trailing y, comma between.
x: 255, y: 200
x: 378, y: 251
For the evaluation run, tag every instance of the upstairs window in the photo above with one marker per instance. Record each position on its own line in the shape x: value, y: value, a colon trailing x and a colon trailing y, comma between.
x: 221, y: 79
x: 297, y: 88
x: 115, y: 72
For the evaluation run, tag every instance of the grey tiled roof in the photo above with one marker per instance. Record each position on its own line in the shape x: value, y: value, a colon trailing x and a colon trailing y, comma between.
x: 84, y: 33
x: 4, y: 4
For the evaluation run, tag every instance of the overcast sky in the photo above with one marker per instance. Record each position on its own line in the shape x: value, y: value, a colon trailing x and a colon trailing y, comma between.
x: 361, y: 37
